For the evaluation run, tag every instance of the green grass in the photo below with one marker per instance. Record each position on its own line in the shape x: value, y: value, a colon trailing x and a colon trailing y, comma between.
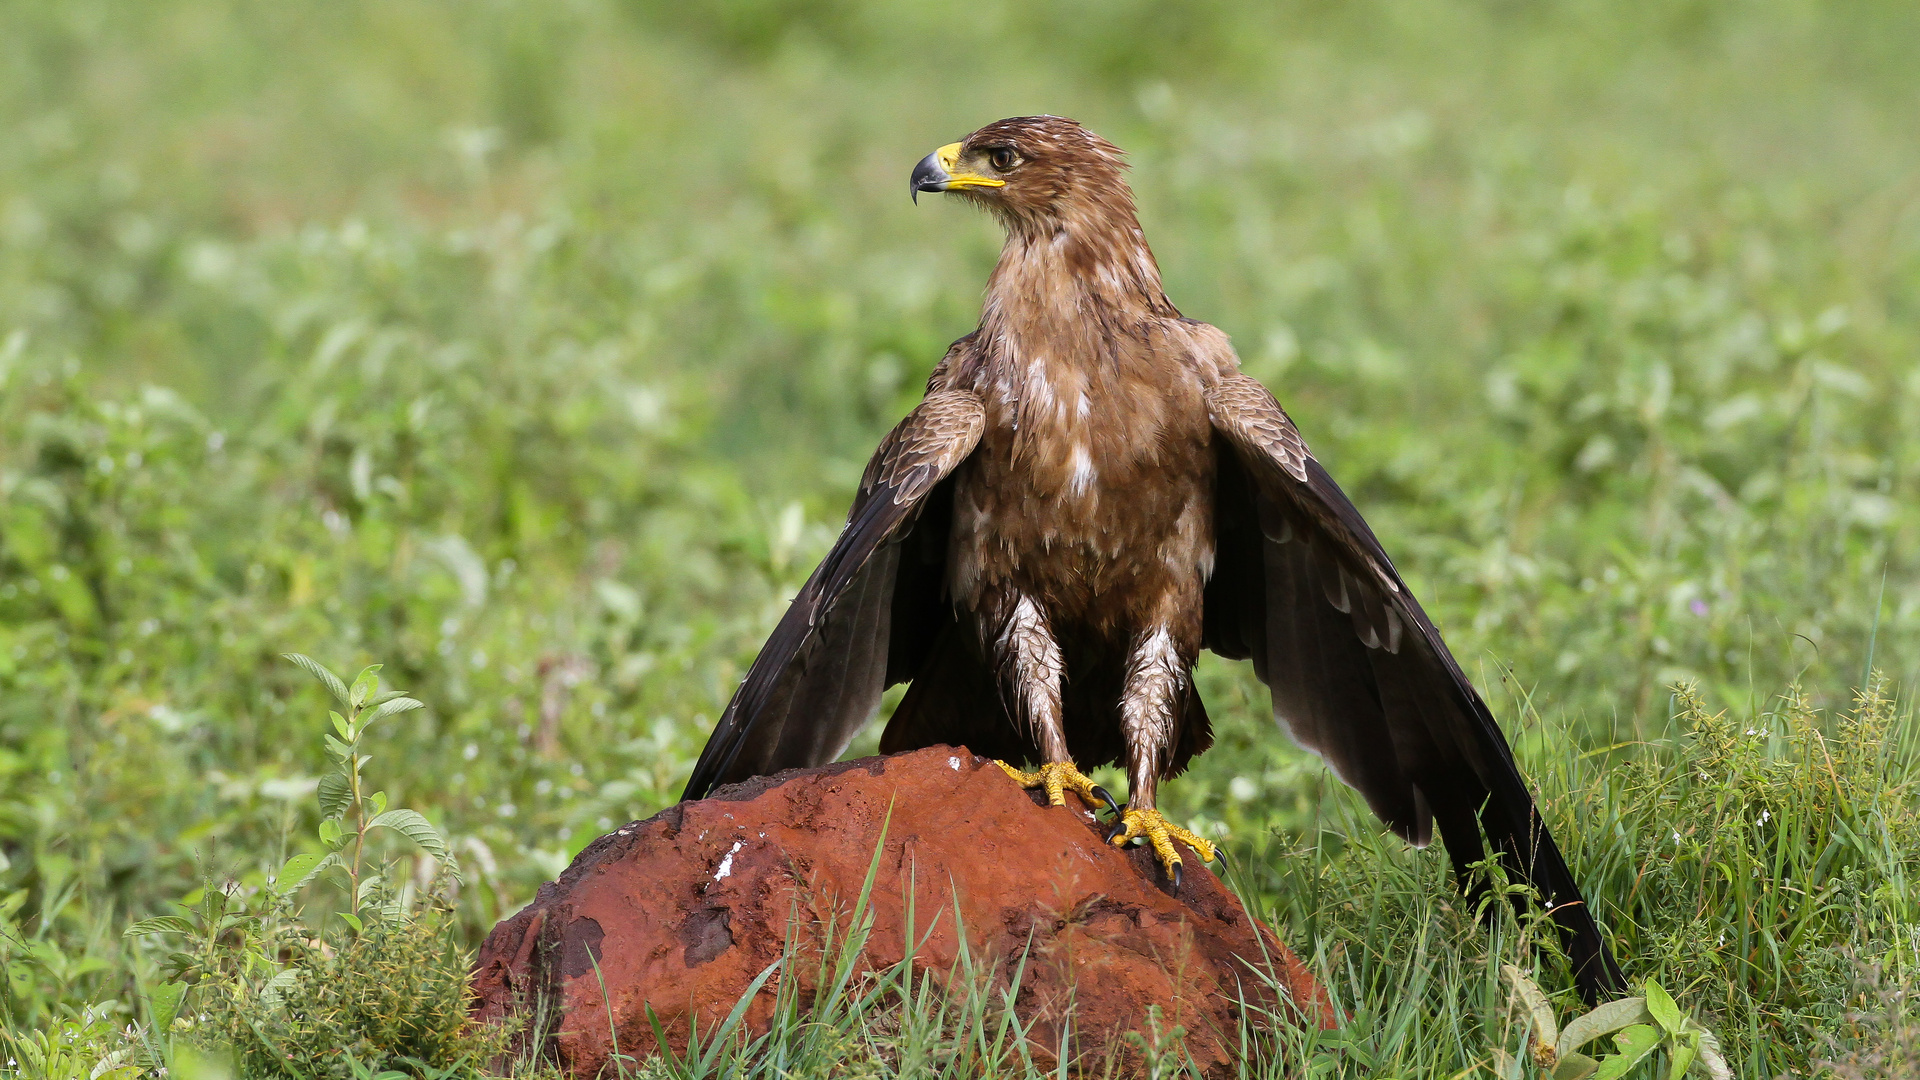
x: 533, y: 350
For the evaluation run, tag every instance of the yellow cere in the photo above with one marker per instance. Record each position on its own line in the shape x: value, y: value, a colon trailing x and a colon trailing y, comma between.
x: 949, y: 158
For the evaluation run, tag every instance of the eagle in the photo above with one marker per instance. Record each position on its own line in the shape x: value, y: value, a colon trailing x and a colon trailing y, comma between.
x: 1089, y: 494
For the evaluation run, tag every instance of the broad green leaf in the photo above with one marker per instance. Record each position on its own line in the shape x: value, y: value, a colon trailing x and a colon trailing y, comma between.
x: 415, y: 827
x: 340, y: 725
x: 1546, y: 1032
x: 336, y: 795
x: 163, y: 1003
x: 333, y: 861
x: 273, y: 993
x: 330, y: 832
x: 1604, y: 1019
x: 332, y: 682
x: 394, y: 707
x: 1635, y: 1043
x: 297, y: 870
x: 1663, y: 1009
x: 159, y: 924
x: 1682, y: 1057
x: 1575, y: 1067
x: 338, y: 749
x: 353, y: 921
x: 364, y: 684
x: 369, y: 886
x: 379, y: 801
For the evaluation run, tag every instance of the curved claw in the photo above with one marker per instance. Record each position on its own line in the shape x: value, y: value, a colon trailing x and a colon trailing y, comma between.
x: 1161, y: 833
x: 1106, y: 797
x: 1058, y: 778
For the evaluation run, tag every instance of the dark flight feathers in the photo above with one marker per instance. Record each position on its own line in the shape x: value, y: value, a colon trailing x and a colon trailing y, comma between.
x: 818, y: 679
x: 1358, y: 673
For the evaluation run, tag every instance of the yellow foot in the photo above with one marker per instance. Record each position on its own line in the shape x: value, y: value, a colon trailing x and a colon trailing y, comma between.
x: 1060, y: 777
x: 1161, y: 833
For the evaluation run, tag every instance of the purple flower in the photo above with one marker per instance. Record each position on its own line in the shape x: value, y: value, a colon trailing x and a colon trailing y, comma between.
x: 1698, y: 607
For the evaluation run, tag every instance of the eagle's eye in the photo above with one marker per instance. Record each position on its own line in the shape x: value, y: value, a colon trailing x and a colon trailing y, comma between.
x: 1002, y: 158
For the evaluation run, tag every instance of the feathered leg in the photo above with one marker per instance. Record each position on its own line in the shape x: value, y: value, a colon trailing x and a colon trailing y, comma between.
x: 1158, y: 671
x: 1031, y: 667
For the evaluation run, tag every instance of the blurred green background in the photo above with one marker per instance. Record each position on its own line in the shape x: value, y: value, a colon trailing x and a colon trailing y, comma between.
x: 534, y: 349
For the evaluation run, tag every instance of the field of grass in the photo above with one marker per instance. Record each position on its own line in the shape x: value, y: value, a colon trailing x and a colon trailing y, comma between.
x: 532, y: 351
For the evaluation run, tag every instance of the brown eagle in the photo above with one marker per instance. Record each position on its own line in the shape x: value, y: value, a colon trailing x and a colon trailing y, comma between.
x: 1090, y: 494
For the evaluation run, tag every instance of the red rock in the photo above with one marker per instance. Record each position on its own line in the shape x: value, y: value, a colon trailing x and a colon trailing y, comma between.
x: 680, y: 912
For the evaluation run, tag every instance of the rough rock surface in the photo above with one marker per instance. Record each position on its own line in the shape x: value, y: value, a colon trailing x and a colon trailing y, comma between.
x: 680, y: 912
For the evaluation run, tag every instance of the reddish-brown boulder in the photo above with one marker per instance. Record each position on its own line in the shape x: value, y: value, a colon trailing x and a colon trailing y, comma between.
x: 680, y: 912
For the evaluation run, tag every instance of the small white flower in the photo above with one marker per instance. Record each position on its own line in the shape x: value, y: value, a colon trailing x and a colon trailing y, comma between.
x: 1766, y: 816
x: 1676, y: 837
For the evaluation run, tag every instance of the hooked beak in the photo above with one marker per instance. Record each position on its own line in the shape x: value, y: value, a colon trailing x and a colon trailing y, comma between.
x: 936, y: 172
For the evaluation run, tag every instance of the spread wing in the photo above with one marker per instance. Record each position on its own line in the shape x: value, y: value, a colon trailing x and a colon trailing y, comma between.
x: 818, y: 679
x: 1358, y: 673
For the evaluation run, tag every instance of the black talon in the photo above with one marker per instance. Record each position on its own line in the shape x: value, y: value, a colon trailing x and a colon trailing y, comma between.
x: 1101, y: 794
x: 1176, y: 877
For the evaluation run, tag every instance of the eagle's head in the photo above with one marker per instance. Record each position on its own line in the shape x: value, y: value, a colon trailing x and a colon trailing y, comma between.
x: 1039, y: 173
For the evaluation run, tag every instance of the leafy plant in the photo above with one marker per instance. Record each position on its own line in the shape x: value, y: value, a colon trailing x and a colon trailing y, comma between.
x: 393, y: 997
x: 280, y: 995
x: 1640, y: 1026
x: 349, y: 814
x: 231, y: 934
x: 70, y: 1050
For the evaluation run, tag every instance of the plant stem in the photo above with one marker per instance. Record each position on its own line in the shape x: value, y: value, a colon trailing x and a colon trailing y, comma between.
x: 359, y: 807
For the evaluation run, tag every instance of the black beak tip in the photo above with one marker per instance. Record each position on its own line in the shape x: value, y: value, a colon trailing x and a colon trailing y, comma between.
x: 927, y: 176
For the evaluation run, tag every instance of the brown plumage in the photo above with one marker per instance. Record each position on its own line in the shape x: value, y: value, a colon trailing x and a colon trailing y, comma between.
x: 1090, y: 493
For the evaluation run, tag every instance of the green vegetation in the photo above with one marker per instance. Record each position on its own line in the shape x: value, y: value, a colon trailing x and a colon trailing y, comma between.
x: 533, y: 350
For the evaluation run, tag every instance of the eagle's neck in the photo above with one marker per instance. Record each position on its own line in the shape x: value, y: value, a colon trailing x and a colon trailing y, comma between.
x: 1058, y: 277
x: 1065, y: 331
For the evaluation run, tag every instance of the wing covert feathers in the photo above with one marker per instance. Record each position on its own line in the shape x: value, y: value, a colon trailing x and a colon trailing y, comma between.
x: 1358, y: 673
x: 924, y: 447
x: 818, y: 679
x: 1247, y: 414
